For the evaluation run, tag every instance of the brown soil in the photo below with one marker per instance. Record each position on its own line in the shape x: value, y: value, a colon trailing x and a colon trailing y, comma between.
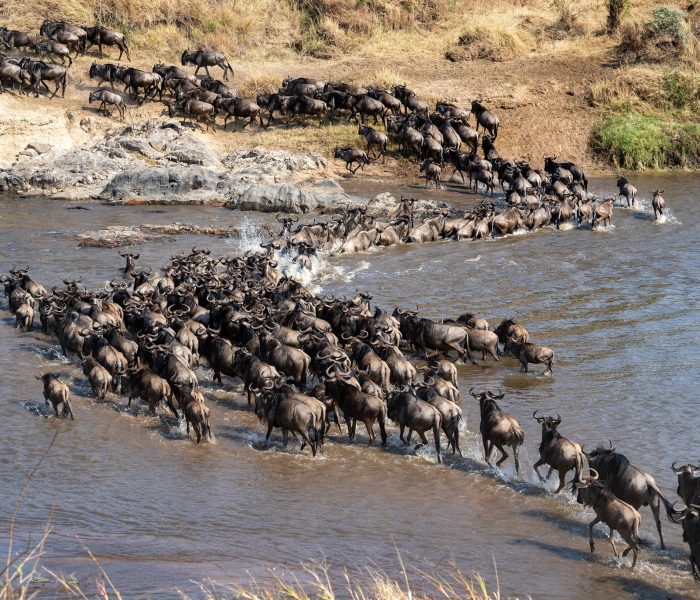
x: 540, y: 98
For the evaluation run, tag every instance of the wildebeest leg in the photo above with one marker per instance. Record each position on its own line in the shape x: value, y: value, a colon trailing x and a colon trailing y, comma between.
x: 612, y: 541
x: 206, y: 68
x: 285, y: 438
x: 487, y: 449
x: 654, y: 505
x: 401, y: 428
x: 370, y: 430
x: 172, y: 407
x: 590, y: 532
x: 536, y: 466
x: 517, y: 460
x: 504, y: 455
x: 269, y: 431
x: 523, y: 362
x: 562, y: 480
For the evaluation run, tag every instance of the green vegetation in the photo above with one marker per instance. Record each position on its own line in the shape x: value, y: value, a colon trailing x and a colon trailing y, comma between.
x: 637, y: 141
x: 650, y: 118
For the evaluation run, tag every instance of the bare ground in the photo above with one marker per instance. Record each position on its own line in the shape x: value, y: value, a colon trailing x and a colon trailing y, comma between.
x: 540, y: 98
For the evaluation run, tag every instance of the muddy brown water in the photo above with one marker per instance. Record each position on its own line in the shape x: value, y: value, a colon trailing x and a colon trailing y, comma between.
x: 620, y: 308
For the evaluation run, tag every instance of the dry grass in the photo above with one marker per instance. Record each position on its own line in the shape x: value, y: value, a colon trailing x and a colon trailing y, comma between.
x: 314, y: 582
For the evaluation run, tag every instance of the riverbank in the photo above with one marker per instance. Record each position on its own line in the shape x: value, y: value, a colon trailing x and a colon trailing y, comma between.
x: 534, y: 66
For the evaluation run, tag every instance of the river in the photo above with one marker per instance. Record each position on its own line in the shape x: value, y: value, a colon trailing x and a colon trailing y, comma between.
x: 619, y: 307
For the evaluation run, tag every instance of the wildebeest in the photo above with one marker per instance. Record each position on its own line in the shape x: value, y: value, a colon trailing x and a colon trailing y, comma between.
x: 197, y: 414
x: 71, y: 35
x: 602, y: 213
x: 100, y: 378
x: 105, y: 97
x: 12, y: 38
x: 527, y: 353
x: 56, y: 393
x: 410, y: 100
x: 689, y: 518
x: 374, y: 138
x: 432, y: 173
x: 407, y: 410
x: 352, y: 155
x: 238, y: 108
x: 41, y: 72
x: 688, y: 482
x: 558, y: 452
x: 347, y: 394
x: 366, y: 106
x: 206, y: 58
x: 658, y: 203
x: 615, y: 513
x: 628, y: 483
x: 101, y: 36
x: 498, y: 429
x: 194, y: 109
x: 626, y: 190
x: 486, y: 119
x: 103, y: 72
x: 55, y: 49
x: 135, y: 78
x: 148, y: 386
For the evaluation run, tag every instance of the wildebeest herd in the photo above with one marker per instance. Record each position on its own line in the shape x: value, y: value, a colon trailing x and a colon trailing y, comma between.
x: 308, y: 361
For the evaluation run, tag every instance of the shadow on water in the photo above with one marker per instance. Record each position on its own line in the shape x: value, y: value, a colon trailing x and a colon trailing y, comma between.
x: 643, y: 590
x: 560, y: 551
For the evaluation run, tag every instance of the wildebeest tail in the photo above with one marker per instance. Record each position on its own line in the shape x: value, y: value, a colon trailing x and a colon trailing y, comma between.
x: 382, y: 426
x: 670, y: 511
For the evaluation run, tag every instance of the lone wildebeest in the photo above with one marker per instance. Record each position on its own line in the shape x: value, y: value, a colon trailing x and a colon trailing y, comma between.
x: 352, y: 155
x: 658, y: 204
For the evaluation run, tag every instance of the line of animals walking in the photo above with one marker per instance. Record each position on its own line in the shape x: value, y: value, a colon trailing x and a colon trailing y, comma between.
x: 306, y: 361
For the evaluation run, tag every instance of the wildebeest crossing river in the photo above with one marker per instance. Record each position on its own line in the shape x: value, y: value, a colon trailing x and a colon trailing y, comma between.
x: 619, y: 307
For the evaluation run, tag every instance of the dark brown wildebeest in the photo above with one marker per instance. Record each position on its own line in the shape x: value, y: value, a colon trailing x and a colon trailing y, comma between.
x: 688, y: 482
x: 410, y: 101
x: 407, y: 410
x: 628, y: 483
x: 658, y: 203
x: 498, y: 429
x: 62, y: 32
x: 689, y: 519
x: 56, y: 392
x: 352, y: 155
x: 449, y: 411
x: 148, y: 386
x: 558, y: 452
x: 104, y: 72
x: 626, y: 190
x: 486, y: 119
x: 41, y: 72
x: 238, y: 108
x: 528, y: 353
x: 206, y: 58
x: 101, y: 36
x: 12, y: 38
x: 194, y: 109
x: 616, y: 514
x: 54, y: 49
x: 347, y: 394
x: 197, y: 414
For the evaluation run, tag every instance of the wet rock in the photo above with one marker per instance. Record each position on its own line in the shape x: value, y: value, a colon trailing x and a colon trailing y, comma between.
x: 118, y: 236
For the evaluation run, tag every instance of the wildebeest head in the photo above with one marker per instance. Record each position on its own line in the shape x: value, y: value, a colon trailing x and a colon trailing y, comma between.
x: 487, y: 399
x: 588, y: 488
x: 549, y: 424
x: 688, y: 482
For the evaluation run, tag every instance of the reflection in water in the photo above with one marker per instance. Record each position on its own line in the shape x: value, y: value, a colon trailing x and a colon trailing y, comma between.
x: 619, y: 307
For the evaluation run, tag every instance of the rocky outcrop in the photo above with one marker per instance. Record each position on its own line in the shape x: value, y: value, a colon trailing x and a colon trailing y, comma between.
x: 160, y: 162
x: 118, y: 235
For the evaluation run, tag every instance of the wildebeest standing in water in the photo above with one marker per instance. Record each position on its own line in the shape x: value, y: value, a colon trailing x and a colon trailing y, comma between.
x: 627, y: 190
x: 616, y: 514
x: 558, y: 452
x: 56, y: 393
x: 498, y: 429
x: 658, y: 204
x: 628, y: 483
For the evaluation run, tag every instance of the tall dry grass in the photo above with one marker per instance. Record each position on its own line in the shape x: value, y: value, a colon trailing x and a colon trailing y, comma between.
x: 161, y: 29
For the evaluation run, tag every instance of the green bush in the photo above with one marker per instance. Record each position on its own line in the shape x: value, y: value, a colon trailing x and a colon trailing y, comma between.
x: 636, y: 141
x: 669, y: 21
